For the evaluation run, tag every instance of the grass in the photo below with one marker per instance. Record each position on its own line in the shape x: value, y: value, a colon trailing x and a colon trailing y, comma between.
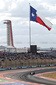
x: 50, y: 75
x: 4, y: 80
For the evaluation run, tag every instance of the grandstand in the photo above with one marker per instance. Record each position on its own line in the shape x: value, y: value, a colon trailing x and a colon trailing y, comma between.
x: 9, y: 59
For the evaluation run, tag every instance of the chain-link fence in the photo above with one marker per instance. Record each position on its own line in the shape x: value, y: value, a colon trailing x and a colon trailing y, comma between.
x: 29, y: 62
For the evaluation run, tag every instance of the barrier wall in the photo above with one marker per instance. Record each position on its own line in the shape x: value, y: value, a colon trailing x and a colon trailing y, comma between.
x: 22, y: 67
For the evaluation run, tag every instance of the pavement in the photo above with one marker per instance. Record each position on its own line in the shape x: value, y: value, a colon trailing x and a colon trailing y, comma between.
x: 6, y: 80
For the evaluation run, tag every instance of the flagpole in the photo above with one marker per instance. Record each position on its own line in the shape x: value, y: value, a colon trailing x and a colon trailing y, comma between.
x: 29, y: 27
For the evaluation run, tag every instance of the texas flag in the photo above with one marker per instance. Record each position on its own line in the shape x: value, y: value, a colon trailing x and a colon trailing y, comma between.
x: 35, y: 16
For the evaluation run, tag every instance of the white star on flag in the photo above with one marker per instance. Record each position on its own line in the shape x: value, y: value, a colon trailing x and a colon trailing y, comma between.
x: 33, y: 15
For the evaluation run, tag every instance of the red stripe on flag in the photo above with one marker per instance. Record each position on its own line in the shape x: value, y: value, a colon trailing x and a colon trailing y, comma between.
x: 42, y: 23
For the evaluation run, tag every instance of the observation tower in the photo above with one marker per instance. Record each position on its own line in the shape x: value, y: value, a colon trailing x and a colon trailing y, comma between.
x: 9, y: 33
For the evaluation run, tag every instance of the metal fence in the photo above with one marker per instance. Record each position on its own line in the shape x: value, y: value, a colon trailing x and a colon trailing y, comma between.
x: 15, y: 63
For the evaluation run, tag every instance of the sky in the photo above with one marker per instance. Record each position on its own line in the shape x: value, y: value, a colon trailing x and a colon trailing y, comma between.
x: 18, y: 12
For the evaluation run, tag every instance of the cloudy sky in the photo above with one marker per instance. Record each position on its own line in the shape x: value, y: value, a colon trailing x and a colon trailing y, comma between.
x: 18, y: 12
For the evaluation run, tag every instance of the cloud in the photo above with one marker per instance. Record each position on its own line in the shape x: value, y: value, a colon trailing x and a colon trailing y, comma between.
x: 18, y: 12
x: 2, y: 4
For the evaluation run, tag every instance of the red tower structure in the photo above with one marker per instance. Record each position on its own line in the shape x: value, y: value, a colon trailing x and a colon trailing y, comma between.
x: 9, y: 33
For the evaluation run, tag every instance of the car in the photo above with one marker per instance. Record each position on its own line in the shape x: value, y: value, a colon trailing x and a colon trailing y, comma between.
x: 32, y: 73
